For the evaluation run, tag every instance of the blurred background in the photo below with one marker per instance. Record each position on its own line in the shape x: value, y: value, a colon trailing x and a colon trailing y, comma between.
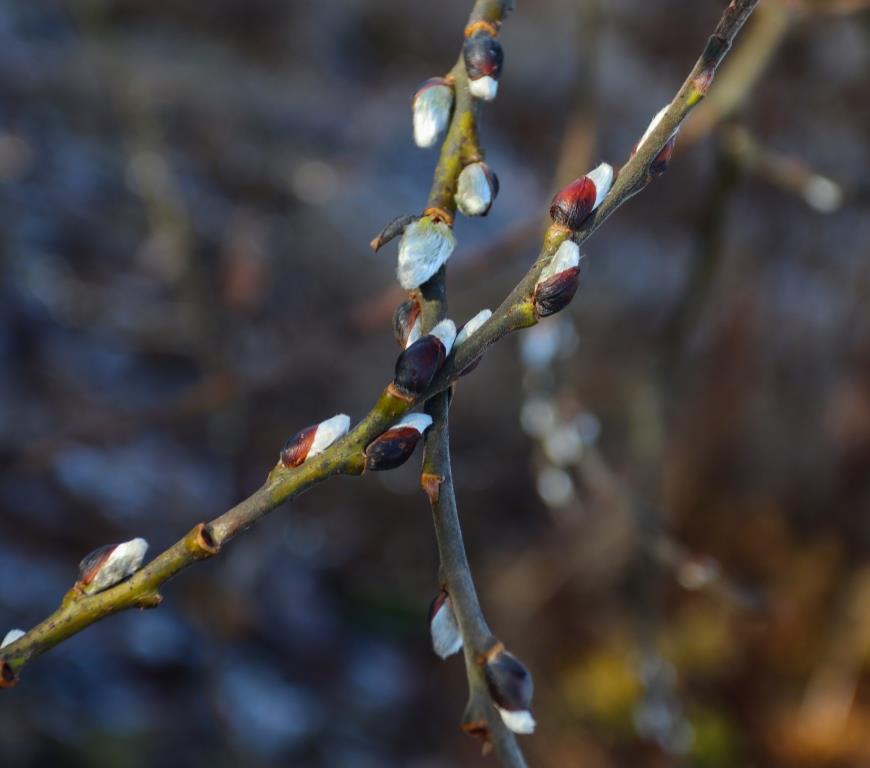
x: 665, y: 489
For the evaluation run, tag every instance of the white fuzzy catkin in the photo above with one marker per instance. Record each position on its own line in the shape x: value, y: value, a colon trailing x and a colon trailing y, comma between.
x: 602, y: 177
x: 425, y: 246
x: 419, y: 421
x: 445, y: 332
x: 484, y: 88
x: 124, y: 561
x: 472, y: 326
x: 446, y: 637
x: 328, y: 432
x: 566, y: 257
x: 431, y: 113
x: 415, y: 333
x: 11, y: 636
x: 473, y: 190
x: 520, y: 721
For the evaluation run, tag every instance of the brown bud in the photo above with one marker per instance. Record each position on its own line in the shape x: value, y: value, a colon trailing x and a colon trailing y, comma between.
x: 404, y: 320
x: 309, y: 442
x: 483, y: 56
x: 510, y: 687
x: 295, y: 450
x: 418, y: 364
x: 395, y: 446
x: 7, y: 675
x: 555, y: 293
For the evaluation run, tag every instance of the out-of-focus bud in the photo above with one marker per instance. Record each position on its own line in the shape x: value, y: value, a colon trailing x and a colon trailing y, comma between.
x: 510, y: 687
x: 425, y: 246
x: 431, y: 109
x: 661, y: 161
x: 395, y: 446
x: 11, y: 636
x: 572, y: 204
x: 310, y: 441
x: 446, y: 637
x: 483, y: 61
x: 476, y: 189
x: 418, y: 364
x: 110, y: 564
x: 395, y: 228
x: 406, y: 322
x: 558, y: 281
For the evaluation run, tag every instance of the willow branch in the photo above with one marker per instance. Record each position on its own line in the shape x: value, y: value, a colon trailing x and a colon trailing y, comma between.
x: 346, y: 456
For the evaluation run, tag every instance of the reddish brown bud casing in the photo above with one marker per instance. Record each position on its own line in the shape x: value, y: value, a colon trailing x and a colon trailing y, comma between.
x: 92, y: 562
x: 573, y: 204
x: 663, y: 159
x: 392, y: 449
x: 418, y: 364
x: 555, y: 293
x: 296, y: 449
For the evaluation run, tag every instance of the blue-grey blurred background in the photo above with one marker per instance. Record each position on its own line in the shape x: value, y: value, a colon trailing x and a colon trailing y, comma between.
x: 665, y: 489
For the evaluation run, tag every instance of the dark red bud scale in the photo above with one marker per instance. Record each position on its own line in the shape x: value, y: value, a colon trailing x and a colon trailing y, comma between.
x: 418, y: 364
x: 296, y: 449
x: 483, y: 56
x: 573, y: 204
x: 555, y: 293
x: 392, y: 449
x: 395, y: 228
x: 404, y: 319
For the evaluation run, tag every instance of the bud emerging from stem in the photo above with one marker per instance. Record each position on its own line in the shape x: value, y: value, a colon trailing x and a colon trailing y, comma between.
x: 510, y: 687
x: 446, y: 637
x: 11, y: 636
x: 425, y: 246
x: 110, y: 564
x: 661, y: 161
x: 483, y: 57
x: 395, y: 446
x: 476, y: 189
x: 573, y: 203
x: 406, y: 322
x: 558, y: 281
x: 310, y: 441
x: 431, y: 109
x: 418, y: 364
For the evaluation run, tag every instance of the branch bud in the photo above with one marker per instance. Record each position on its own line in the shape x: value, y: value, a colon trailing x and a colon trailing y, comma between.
x: 406, y: 322
x: 395, y: 446
x: 109, y: 565
x: 418, y: 364
x: 661, y: 161
x: 558, y: 281
x: 510, y: 687
x: 425, y: 246
x: 446, y: 637
x: 573, y: 204
x: 483, y: 57
x: 310, y: 441
x: 476, y: 189
x: 431, y: 108
x: 11, y: 636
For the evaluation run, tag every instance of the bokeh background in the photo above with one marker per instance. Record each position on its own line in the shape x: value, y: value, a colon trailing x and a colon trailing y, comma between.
x: 665, y: 489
